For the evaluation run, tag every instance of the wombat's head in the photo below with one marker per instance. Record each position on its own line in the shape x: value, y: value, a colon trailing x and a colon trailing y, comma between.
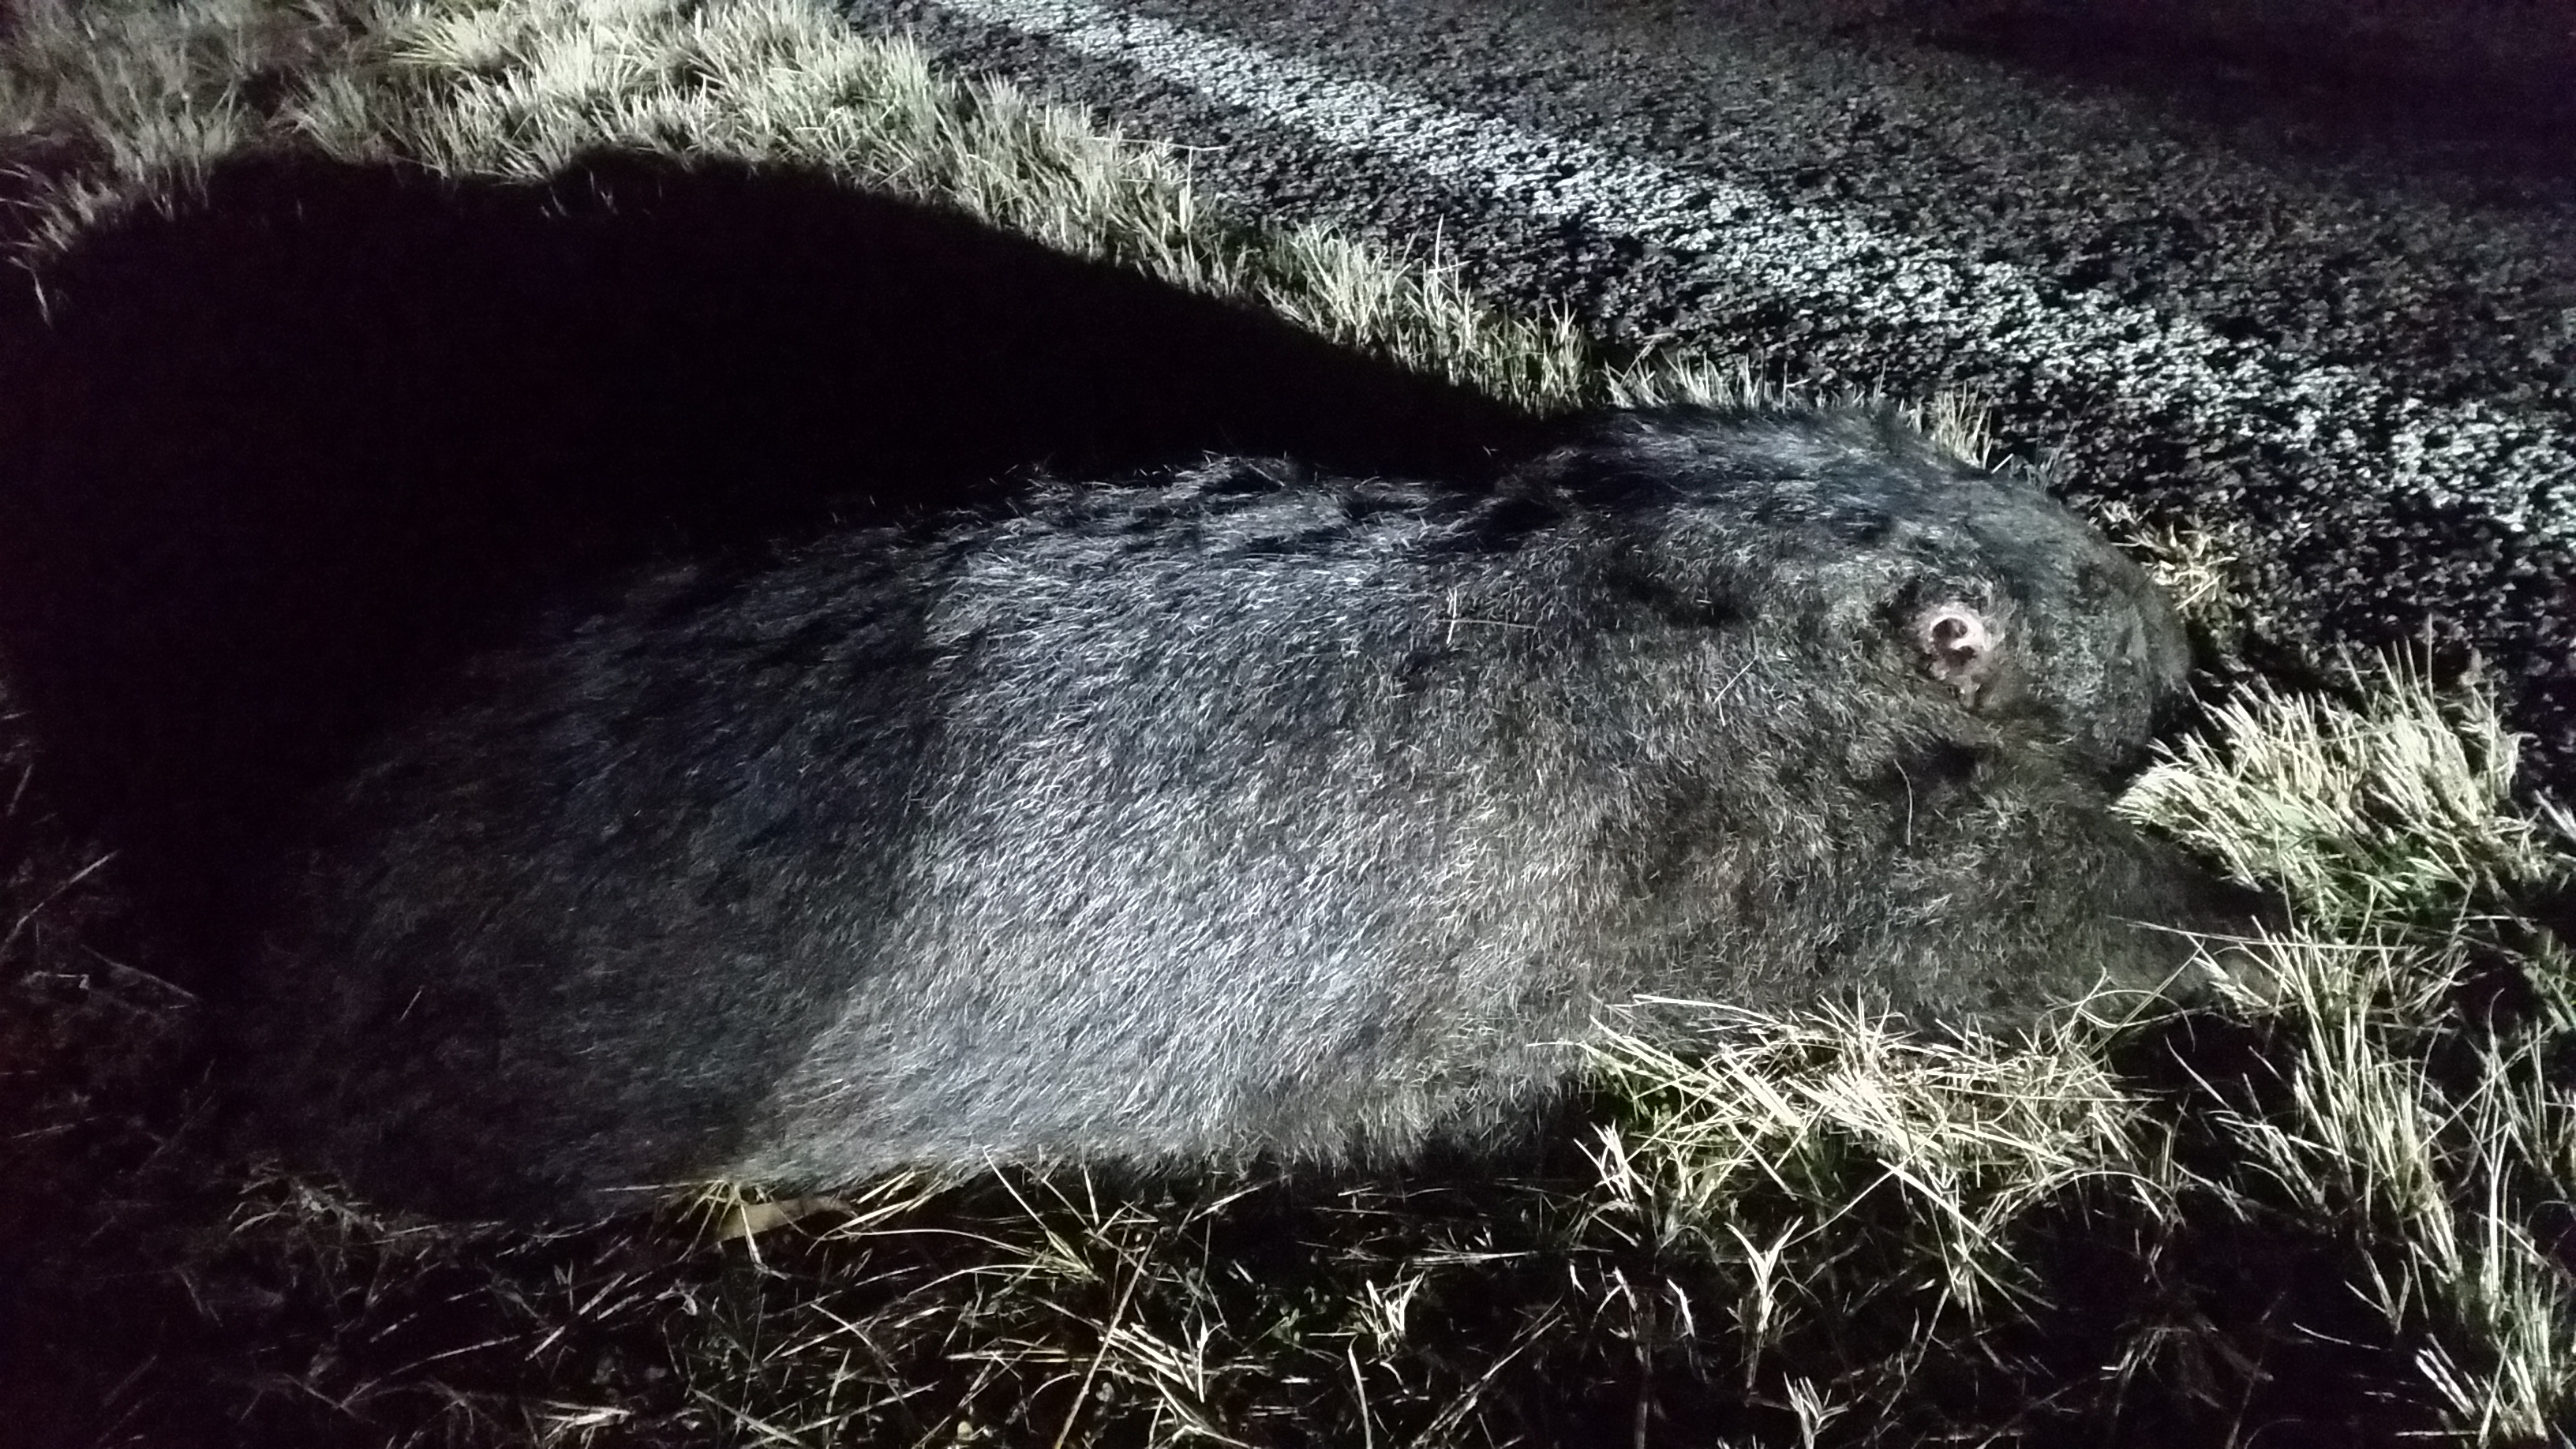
x: 1876, y: 552
x: 2073, y: 640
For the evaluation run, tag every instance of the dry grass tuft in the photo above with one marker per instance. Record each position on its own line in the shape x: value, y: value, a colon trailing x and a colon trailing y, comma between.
x: 1967, y: 1137
x: 2429, y: 1022
x: 2399, y: 804
x: 2192, y: 561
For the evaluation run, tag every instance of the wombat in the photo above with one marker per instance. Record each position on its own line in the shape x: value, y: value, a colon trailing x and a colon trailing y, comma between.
x: 1225, y: 811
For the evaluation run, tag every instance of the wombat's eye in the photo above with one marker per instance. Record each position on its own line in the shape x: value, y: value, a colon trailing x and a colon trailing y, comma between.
x: 1957, y: 641
x: 1954, y: 636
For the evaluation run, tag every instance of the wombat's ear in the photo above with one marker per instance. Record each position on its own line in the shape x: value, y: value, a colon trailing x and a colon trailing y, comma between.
x: 1962, y: 645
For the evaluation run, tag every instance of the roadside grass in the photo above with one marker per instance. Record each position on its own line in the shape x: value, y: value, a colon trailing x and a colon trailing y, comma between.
x: 2341, y: 1204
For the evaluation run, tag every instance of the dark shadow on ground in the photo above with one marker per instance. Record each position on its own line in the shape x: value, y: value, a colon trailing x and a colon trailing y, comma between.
x: 2486, y: 91
x: 277, y: 455
x: 152, y: 1300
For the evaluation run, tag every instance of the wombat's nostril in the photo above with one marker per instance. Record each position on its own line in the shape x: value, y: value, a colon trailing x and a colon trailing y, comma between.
x: 1948, y: 632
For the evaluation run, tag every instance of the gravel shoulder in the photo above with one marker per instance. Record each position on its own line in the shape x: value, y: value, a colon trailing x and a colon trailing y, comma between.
x: 2329, y: 315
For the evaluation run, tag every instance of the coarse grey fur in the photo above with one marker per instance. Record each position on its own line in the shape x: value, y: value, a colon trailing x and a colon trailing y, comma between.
x: 1221, y: 812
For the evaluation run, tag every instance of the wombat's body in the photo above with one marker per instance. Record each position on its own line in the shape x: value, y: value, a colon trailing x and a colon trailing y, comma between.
x: 1224, y: 812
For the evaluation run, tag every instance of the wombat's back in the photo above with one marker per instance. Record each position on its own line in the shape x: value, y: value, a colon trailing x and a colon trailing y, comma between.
x: 1228, y: 811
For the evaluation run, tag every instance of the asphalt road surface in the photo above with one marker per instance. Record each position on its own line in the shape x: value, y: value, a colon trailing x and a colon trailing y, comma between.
x: 2324, y: 304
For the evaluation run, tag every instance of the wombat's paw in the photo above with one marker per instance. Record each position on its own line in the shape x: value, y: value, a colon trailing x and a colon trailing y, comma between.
x: 2235, y: 960
x: 2237, y: 972
x: 2219, y: 972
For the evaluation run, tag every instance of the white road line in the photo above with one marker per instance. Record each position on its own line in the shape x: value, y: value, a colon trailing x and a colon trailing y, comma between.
x: 2357, y: 432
